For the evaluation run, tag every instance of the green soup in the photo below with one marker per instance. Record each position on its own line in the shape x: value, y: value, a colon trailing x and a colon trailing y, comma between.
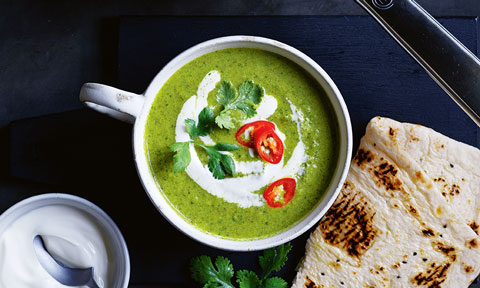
x: 291, y: 86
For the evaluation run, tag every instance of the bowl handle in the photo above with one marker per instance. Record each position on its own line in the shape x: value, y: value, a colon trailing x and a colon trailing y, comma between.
x: 116, y: 103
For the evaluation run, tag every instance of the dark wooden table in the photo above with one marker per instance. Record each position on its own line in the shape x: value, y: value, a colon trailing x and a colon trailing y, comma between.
x: 50, y: 50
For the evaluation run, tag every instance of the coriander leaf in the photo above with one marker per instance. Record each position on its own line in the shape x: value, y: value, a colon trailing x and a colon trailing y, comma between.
x: 225, y: 120
x: 206, y: 120
x: 246, y: 107
x: 249, y: 96
x: 202, y: 269
x: 219, y: 164
x: 247, y: 279
x: 226, y: 93
x: 274, y: 259
x: 181, y: 159
x: 178, y: 146
x: 274, y: 282
x: 214, y: 165
x: 204, y: 272
x: 220, y: 146
x: 190, y: 127
x: 228, y: 164
x: 248, y: 91
x: 225, y: 268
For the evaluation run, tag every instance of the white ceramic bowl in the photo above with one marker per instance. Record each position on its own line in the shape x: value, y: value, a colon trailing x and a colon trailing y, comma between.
x: 117, y: 243
x: 135, y: 108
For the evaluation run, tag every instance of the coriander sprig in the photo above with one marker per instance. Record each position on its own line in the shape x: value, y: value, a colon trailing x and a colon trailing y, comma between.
x: 247, y: 100
x: 220, y: 275
x: 203, y: 271
x: 219, y: 164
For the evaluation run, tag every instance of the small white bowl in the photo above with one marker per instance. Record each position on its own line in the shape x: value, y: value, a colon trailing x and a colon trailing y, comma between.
x: 117, y: 242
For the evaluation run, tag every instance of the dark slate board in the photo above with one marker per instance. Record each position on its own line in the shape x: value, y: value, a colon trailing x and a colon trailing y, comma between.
x: 375, y: 75
x: 88, y: 154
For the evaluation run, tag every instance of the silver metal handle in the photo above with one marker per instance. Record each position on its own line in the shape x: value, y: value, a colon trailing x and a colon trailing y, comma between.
x: 446, y: 60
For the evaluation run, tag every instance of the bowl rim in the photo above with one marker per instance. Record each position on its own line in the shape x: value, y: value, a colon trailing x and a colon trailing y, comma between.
x: 336, y: 182
x: 8, y: 217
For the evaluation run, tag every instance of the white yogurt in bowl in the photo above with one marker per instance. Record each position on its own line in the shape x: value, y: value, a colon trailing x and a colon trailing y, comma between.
x: 75, y: 232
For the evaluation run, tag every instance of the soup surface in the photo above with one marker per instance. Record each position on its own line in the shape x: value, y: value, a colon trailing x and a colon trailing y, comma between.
x: 235, y: 207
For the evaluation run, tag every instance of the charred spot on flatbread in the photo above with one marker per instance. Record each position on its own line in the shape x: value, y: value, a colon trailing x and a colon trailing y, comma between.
x: 385, y: 174
x: 379, y: 269
x: 472, y: 244
x: 428, y: 232
x: 413, y: 211
x: 448, y: 251
x: 419, y: 177
x: 454, y: 190
x: 467, y: 268
x: 433, y: 276
x: 474, y: 226
x: 392, y: 132
x: 438, y: 145
x: 413, y: 136
x: 310, y: 284
x: 349, y: 222
x: 362, y: 157
x: 446, y: 189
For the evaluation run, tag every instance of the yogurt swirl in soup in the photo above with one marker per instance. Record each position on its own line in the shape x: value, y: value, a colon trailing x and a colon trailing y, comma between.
x: 258, y: 174
x: 234, y: 207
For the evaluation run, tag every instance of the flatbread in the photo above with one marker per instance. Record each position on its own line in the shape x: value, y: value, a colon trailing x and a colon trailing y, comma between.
x: 406, y: 217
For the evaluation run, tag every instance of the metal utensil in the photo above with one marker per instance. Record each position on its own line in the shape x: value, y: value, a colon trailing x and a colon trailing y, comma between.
x: 63, y: 274
x: 446, y: 60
